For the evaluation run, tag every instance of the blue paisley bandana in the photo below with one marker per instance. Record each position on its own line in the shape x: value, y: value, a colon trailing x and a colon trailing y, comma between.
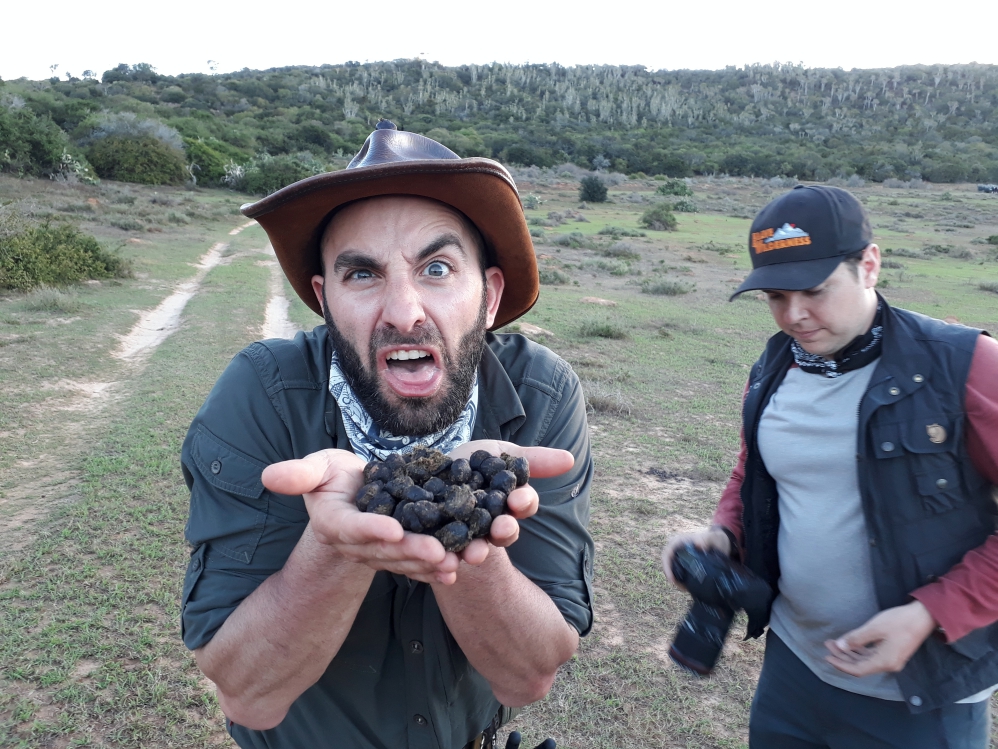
x: 369, y: 441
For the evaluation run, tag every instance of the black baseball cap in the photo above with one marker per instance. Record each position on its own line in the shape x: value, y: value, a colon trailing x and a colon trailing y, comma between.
x: 801, y: 237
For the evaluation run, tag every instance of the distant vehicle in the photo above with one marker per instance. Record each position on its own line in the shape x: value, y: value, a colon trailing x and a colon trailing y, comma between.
x: 993, y: 189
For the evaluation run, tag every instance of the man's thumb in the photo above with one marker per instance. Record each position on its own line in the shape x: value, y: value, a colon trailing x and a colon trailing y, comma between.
x: 860, y: 637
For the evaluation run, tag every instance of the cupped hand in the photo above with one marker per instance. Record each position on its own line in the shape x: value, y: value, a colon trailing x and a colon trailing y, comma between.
x: 328, y: 481
x: 522, y: 503
x: 706, y: 539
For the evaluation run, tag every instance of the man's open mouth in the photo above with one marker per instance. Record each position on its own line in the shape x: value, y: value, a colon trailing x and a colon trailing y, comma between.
x: 411, y: 372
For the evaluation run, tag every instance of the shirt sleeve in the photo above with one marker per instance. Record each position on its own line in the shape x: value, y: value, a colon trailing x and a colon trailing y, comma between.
x: 729, y: 509
x: 240, y: 533
x: 555, y: 550
x: 966, y: 597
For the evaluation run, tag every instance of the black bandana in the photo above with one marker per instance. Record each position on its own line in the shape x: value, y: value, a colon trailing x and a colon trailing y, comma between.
x: 863, y: 350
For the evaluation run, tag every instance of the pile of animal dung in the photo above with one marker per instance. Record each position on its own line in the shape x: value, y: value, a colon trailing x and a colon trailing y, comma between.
x: 428, y: 492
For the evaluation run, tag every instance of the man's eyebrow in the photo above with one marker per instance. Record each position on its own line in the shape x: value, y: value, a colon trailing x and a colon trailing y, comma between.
x: 444, y: 240
x: 356, y: 260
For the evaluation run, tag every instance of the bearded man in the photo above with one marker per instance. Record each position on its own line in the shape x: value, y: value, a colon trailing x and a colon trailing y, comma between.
x: 324, y: 626
x: 863, y: 496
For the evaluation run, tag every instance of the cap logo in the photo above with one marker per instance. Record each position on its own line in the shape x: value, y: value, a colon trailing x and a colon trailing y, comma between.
x: 787, y: 235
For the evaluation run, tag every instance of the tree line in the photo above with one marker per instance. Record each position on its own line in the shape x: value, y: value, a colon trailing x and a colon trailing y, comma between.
x: 255, y: 129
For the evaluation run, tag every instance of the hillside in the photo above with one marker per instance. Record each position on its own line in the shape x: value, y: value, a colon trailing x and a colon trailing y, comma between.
x: 931, y: 122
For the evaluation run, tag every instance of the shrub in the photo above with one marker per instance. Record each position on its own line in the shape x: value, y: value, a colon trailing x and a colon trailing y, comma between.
x: 54, y: 255
x: 553, y: 277
x: 602, y: 328
x: 127, y: 125
x: 659, y: 218
x: 575, y: 240
x: 892, y: 265
x: 207, y: 166
x: 606, y: 398
x: 685, y: 206
x: 663, y: 287
x: 622, y: 251
x: 592, y: 190
x: 35, y: 145
x: 144, y: 160
x: 677, y: 187
x: 49, y: 299
x: 537, y: 232
x: 532, y: 202
x: 266, y: 174
x: 993, y: 239
x: 618, y: 231
x: 991, y: 286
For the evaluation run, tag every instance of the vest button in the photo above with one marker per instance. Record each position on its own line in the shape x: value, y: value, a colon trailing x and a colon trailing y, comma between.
x: 915, y: 700
x: 415, y: 647
x: 942, y: 483
x: 421, y: 721
x: 887, y: 447
x: 216, y: 466
x: 894, y: 391
x: 918, y: 378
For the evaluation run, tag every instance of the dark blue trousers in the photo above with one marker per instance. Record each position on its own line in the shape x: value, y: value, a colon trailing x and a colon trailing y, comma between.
x: 794, y: 709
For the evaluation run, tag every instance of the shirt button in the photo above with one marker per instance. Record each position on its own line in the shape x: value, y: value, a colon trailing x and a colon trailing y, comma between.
x: 918, y: 378
x: 415, y: 647
x: 915, y: 700
x: 942, y: 483
x: 894, y: 391
x: 421, y: 721
x: 216, y: 466
x: 887, y: 447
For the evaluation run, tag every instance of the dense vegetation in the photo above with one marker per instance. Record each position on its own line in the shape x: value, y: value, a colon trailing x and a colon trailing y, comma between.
x: 52, y: 255
x: 938, y: 123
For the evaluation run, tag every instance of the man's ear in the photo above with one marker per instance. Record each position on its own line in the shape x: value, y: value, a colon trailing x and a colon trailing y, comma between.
x: 495, y: 282
x: 870, y: 266
x: 317, y: 284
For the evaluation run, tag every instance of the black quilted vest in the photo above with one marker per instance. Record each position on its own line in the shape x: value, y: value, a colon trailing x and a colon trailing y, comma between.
x: 925, y: 503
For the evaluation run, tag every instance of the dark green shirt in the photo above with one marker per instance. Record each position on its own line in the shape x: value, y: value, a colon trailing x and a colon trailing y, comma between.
x: 399, y: 679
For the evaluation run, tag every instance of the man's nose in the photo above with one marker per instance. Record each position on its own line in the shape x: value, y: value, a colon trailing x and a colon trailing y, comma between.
x: 402, y: 308
x: 796, y: 309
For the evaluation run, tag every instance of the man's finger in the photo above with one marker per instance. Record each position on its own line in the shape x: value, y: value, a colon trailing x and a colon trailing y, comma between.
x: 505, y: 530
x: 545, y: 462
x: 309, y: 473
x: 522, y: 503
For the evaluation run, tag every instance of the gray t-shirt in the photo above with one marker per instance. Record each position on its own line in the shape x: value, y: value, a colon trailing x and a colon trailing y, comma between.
x: 807, y: 439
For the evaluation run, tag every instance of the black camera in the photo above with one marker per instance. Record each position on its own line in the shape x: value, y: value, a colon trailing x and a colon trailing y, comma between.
x: 719, y: 587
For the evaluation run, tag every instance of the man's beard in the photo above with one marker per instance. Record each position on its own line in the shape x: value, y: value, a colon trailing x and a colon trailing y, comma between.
x: 413, y: 417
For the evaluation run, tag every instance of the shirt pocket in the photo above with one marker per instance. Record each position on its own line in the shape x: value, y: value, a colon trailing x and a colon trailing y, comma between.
x: 194, y: 569
x: 228, y: 503
x: 930, y: 467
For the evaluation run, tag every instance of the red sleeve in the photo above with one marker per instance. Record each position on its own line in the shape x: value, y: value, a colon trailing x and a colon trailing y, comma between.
x: 966, y: 597
x: 729, y: 510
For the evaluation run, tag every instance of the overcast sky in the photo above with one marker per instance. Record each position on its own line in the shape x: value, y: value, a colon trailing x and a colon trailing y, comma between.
x: 181, y: 36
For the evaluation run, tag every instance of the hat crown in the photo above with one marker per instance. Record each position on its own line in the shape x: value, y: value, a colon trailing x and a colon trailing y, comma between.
x: 388, y: 145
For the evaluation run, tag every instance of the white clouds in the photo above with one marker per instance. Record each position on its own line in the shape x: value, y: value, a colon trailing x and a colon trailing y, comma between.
x: 182, y: 35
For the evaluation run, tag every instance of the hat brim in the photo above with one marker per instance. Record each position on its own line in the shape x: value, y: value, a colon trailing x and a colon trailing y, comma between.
x: 295, y: 216
x: 795, y: 276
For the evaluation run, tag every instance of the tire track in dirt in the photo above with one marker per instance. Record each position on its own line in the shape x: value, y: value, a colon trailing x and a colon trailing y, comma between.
x: 43, y: 482
x: 275, y: 322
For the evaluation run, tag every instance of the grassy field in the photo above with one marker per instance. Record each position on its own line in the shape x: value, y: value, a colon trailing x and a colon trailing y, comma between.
x: 91, y: 546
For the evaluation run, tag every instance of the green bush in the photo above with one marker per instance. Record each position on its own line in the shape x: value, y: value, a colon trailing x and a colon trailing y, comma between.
x: 659, y: 218
x: 54, y: 255
x: 602, y: 328
x: 685, y: 206
x: 592, y: 190
x: 662, y: 287
x: 618, y: 231
x: 993, y: 239
x: 208, y: 164
x: 553, y: 277
x: 266, y: 174
x: 145, y: 160
x: 622, y: 251
x: 677, y: 187
x: 36, y: 146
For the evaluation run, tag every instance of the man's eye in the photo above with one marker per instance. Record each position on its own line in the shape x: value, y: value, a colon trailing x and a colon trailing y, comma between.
x: 359, y: 275
x: 437, y: 269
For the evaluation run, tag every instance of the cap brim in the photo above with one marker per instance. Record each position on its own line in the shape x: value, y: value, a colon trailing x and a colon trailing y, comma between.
x: 796, y: 276
x: 294, y: 218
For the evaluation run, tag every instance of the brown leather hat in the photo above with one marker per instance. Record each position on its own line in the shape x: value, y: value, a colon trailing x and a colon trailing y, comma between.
x: 400, y: 163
